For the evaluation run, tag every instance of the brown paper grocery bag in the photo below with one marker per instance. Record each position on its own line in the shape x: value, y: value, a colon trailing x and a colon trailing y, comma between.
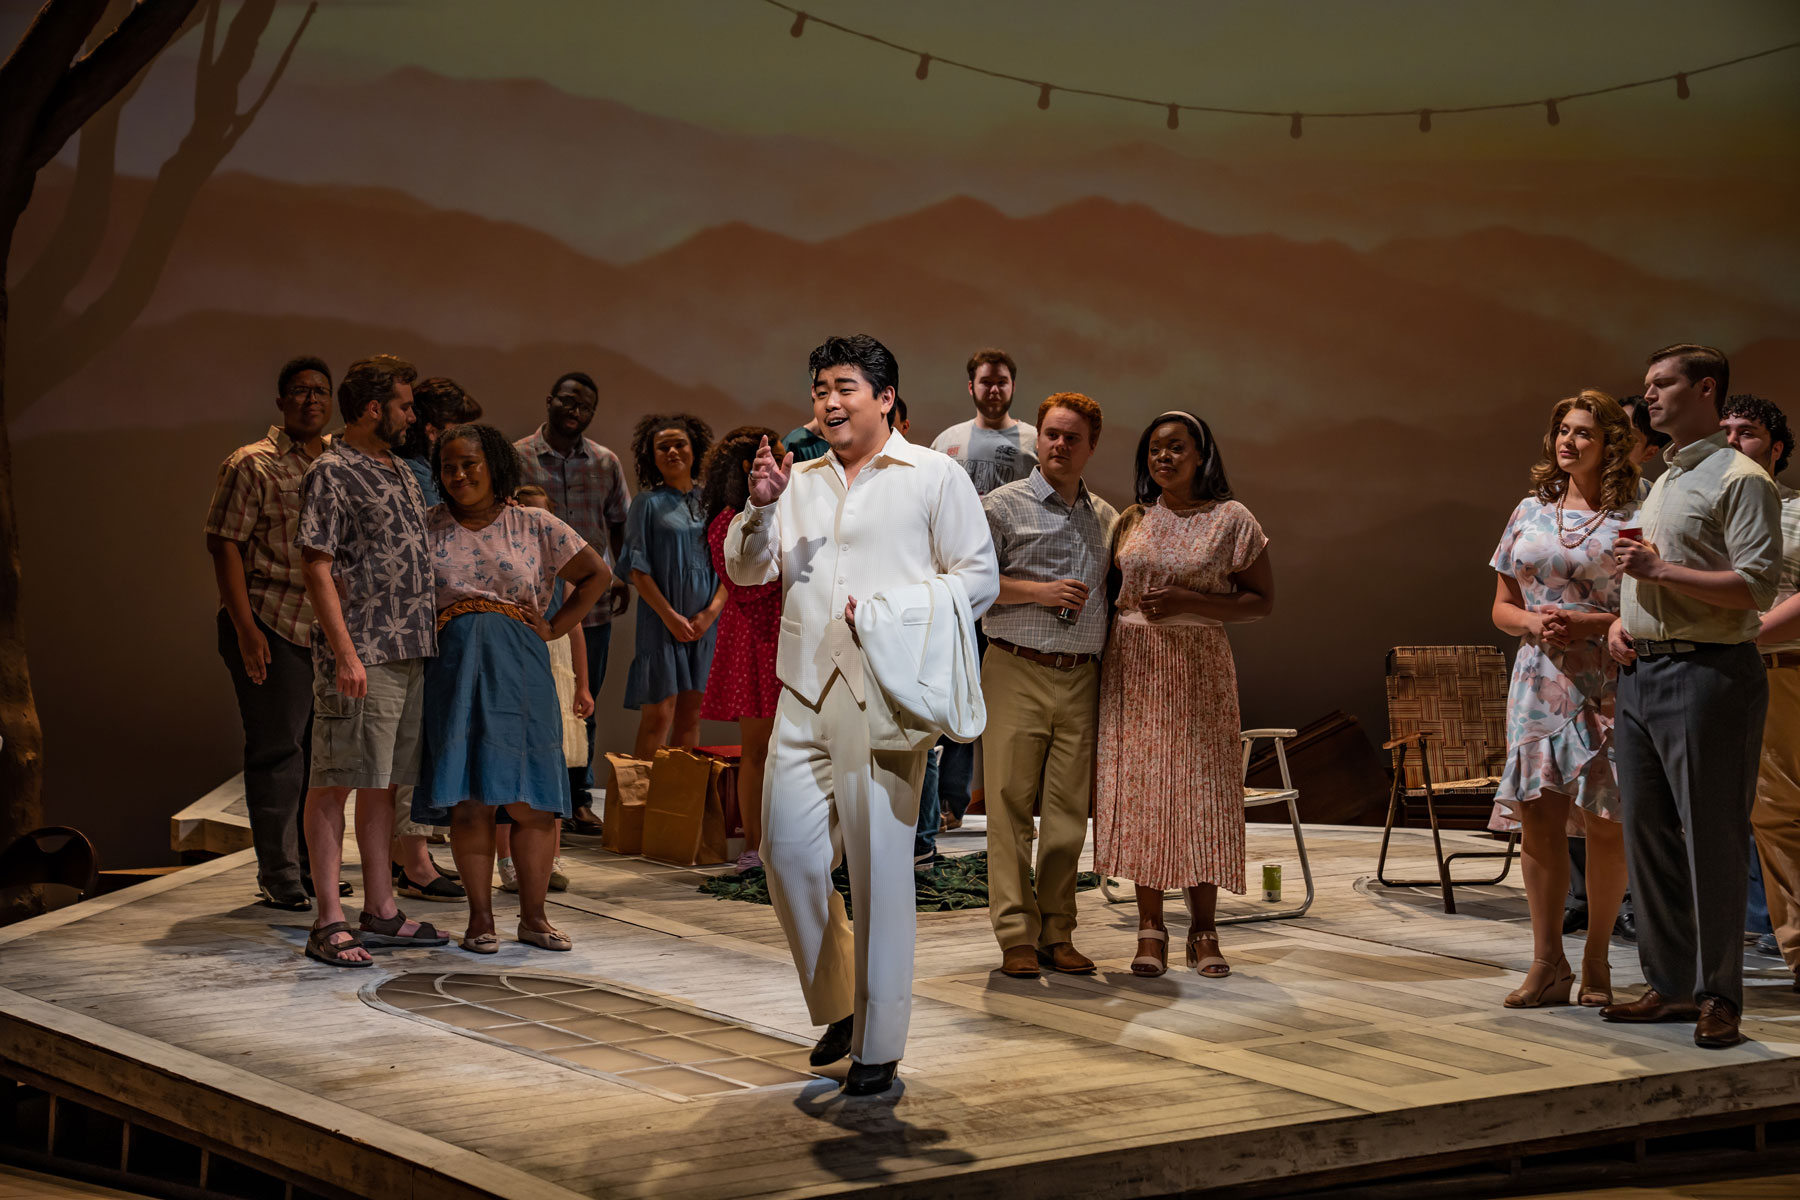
x: 683, y: 822
x: 627, y: 794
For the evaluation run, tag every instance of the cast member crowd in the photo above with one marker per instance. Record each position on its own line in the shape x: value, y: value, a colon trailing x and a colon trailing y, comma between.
x: 1654, y: 709
x: 419, y: 609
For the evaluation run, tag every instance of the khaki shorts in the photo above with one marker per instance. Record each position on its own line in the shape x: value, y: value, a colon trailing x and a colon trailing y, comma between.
x: 371, y: 741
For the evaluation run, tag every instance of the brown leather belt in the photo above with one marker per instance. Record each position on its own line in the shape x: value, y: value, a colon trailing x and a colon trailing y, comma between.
x: 1061, y: 662
x: 1781, y: 658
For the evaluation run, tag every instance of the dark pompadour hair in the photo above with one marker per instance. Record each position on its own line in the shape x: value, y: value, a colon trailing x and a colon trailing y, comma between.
x: 1209, y: 477
x: 1767, y: 414
x: 861, y: 351
x: 504, y: 468
x: 1640, y: 421
x: 293, y: 366
x: 439, y: 402
x: 371, y: 381
x: 1699, y: 362
x: 643, y: 443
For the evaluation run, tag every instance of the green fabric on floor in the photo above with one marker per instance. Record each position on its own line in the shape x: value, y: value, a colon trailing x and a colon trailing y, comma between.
x: 950, y: 884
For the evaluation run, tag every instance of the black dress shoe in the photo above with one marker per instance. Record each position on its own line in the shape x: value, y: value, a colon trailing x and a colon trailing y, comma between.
x: 868, y: 1079
x: 834, y: 1043
x: 1625, y: 926
x: 1574, y: 920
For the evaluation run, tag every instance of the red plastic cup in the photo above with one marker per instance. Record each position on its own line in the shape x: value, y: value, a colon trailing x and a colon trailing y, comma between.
x: 1634, y: 532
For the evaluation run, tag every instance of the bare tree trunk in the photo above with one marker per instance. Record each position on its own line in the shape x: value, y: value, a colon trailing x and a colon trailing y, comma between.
x: 22, y: 754
x: 46, y: 95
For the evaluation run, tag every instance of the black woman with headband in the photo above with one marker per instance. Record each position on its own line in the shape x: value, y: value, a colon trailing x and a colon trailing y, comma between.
x: 1169, y: 803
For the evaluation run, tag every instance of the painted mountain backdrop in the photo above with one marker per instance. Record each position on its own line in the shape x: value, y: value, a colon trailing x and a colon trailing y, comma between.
x: 1377, y: 344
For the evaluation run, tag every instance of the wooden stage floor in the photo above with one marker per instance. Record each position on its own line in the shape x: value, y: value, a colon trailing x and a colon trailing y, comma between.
x: 1368, y: 1033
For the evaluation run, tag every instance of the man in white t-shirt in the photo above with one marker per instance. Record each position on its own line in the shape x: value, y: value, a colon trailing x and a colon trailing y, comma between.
x: 993, y: 447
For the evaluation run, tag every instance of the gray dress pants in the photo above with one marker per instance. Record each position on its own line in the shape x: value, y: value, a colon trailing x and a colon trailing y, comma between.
x: 277, y: 716
x: 1688, y: 736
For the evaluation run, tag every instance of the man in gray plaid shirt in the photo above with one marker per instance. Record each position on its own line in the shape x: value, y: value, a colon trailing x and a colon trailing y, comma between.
x: 1041, y: 677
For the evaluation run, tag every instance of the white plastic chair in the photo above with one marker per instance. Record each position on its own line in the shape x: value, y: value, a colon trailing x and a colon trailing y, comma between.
x: 1114, y: 889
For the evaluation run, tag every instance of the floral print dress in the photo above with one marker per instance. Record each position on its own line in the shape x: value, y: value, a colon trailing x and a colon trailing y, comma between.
x: 1169, y: 771
x: 1560, y: 705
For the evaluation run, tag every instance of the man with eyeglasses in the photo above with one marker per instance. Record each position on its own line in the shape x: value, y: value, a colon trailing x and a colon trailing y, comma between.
x: 265, y: 622
x: 587, y: 485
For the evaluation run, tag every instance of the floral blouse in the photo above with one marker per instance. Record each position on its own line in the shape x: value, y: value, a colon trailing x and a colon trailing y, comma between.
x: 513, y: 560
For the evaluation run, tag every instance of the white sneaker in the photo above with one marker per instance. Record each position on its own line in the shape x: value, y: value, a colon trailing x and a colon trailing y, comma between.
x: 509, y: 876
x: 559, y: 878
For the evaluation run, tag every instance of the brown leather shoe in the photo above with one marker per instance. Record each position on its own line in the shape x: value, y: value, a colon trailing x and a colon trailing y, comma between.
x: 1651, y: 1006
x: 1020, y: 962
x: 1064, y: 957
x: 1717, y: 1027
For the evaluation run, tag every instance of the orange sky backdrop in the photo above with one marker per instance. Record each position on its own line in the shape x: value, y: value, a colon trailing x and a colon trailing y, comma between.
x: 682, y: 199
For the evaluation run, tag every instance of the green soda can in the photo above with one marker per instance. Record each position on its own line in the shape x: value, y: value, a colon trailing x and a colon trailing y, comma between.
x: 1271, y: 882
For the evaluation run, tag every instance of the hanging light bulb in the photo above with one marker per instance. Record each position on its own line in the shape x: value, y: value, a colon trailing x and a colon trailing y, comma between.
x: 924, y: 67
x: 1681, y: 87
x: 1043, y: 95
x: 1424, y: 120
x: 1174, y: 116
x: 1294, y: 126
x: 1550, y: 113
x: 799, y: 25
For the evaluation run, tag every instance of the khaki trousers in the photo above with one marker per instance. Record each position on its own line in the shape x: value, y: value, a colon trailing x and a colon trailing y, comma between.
x: 1776, y: 816
x: 1039, y: 743
x: 827, y: 797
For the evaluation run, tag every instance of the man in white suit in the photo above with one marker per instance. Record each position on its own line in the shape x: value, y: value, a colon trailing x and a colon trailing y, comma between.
x: 875, y: 512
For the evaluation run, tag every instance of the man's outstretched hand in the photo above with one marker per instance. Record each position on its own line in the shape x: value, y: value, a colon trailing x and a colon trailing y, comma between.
x: 768, y: 478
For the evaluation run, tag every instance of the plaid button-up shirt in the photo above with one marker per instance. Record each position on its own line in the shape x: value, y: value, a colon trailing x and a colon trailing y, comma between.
x: 588, y: 488
x: 1039, y: 536
x: 257, y: 505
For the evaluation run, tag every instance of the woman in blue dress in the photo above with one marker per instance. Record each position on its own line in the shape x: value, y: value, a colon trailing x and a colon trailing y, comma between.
x: 667, y: 561
x: 492, y: 724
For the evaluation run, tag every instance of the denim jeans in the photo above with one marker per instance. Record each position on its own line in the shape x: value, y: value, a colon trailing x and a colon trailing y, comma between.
x: 926, y: 834
x: 1756, y: 912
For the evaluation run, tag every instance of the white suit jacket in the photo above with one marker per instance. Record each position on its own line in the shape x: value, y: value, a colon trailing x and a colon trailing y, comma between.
x: 918, y: 645
x: 911, y: 514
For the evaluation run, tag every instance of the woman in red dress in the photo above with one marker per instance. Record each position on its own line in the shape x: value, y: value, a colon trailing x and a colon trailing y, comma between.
x: 742, y: 686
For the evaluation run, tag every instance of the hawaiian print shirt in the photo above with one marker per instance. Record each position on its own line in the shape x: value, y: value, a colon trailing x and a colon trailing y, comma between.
x: 369, y: 517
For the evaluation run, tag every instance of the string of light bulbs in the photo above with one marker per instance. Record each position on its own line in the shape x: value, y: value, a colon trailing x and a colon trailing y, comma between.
x: 1295, y: 119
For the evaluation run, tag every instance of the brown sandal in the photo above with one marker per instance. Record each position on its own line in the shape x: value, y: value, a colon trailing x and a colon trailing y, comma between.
x: 1149, y: 966
x: 385, y: 931
x: 1212, y: 966
x: 321, y: 948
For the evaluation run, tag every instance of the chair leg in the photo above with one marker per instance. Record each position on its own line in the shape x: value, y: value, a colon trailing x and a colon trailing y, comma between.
x: 1387, y: 831
x: 1437, y: 841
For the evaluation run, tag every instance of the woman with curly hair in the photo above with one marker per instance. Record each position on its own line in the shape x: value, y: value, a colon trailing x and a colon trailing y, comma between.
x: 1557, y: 591
x: 665, y: 557
x: 492, y: 725
x: 742, y: 686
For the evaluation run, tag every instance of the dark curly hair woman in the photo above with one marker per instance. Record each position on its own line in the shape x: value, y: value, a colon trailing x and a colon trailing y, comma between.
x: 742, y: 686
x: 665, y: 558
x: 1556, y: 589
x: 492, y: 724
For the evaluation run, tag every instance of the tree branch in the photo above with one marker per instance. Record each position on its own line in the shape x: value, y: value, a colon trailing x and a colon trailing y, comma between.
x: 100, y: 75
x: 34, y: 69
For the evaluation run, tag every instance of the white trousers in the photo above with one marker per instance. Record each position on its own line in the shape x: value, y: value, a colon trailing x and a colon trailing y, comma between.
x: 828, y: 798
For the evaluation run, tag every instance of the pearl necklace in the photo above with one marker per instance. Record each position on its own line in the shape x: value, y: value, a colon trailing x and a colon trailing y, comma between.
x: 1581, y: 531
